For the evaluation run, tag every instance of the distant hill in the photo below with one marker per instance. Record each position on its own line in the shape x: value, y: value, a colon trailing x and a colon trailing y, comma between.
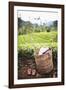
x: 23, y: 23
x: 28, y: 27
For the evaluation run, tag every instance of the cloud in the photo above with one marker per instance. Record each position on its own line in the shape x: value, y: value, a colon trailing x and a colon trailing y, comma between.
x: 38, y: 16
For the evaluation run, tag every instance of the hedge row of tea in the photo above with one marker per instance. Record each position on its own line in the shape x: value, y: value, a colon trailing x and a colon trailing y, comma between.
x: 37, y: 40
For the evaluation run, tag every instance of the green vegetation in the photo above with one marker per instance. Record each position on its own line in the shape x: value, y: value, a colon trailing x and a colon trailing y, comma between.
x: 32, y: 37
x: 37, y: 40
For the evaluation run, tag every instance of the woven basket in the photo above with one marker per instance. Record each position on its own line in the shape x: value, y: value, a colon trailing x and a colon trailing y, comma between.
x: 44, y: 63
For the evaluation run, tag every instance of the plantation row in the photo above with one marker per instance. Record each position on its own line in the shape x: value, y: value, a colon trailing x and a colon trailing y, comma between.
x: 37, y: 40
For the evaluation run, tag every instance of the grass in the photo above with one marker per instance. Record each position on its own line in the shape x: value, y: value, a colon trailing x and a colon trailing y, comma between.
x: 37, y: 40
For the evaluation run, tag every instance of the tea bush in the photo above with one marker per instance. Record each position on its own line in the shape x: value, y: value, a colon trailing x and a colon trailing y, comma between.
x: 26, y: 53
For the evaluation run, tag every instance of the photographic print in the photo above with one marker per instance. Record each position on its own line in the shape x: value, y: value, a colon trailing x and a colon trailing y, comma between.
x: 37, y: 43
x: 37, y: 50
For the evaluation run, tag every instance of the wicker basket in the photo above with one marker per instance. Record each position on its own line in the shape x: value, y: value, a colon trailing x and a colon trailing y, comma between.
x: 44, y: 63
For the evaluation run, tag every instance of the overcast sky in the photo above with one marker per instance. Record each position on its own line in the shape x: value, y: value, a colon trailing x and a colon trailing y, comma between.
x: 38, y: 16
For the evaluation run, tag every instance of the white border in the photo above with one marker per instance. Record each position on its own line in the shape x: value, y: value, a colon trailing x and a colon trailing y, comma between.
x: 42, y: 80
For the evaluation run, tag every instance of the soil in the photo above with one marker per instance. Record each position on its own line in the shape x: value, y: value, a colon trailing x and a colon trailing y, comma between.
x: 27, y: 70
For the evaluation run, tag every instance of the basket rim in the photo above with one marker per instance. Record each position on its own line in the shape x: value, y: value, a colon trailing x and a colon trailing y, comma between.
x: 37, y: 55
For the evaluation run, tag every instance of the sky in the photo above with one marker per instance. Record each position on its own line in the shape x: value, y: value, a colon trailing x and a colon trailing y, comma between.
x: 38, y: 17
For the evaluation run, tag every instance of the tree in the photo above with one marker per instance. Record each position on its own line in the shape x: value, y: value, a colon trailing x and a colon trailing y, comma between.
x: 19, y: 23
x: 55, y: 23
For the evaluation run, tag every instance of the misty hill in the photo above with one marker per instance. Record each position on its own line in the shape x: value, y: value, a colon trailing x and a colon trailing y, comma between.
x: 28, y: 27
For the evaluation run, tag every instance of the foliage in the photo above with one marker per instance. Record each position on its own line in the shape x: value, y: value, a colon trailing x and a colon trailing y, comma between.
x: 37, y: 40
x: 26, y: 53
x: 54, y: 53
